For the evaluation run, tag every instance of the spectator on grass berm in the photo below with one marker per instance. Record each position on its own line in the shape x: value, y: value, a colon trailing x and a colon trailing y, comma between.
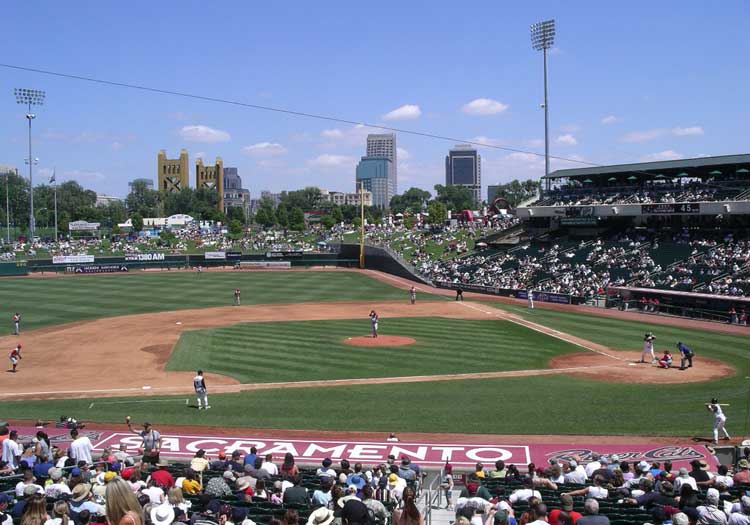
x: 591, y: 514
x: 709, y: 513
x: 269, y: 466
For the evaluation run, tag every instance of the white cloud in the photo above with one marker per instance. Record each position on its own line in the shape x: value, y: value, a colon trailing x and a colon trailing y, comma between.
x: 334, y: 133
x: 567, y: 139
x: 643, y: 136
x: 402, y: 154
x: 264, y: 149
x: 482, y: 139
x: 651, y: 134
x: 693, y: 130
x: 570, y: 128
x: 200, y: 155
x: 535, y: 143
x: 328, y: 160
x: 610, y: 119
x: 484, y: 106
x: 81, y: 175
x: 662, y: 155
x: 205, y: 134
x: 405, y: 112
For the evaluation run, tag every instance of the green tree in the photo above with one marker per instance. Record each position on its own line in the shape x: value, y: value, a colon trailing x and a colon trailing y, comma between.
x: 282, y: 216
x: 236, y: 213
x: 456, y: 198
x: 137, y: 221
x: 297, y: 219
x: 142, y: 199
x: 336, y: 214
x: 265, y: 216
x: 412, y: 201
x: 515, y: 191
x: 327, y: 221
x: 438, y: 213
x: 235, y: 227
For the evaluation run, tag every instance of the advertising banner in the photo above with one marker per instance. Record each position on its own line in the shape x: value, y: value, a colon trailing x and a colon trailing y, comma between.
x: 97, y: 268
x: 281, y: 254
x: 671, y: 208
x: 234, y: 255
x: 144, y: 257
x: 72, y: 259
x: 215, y: 255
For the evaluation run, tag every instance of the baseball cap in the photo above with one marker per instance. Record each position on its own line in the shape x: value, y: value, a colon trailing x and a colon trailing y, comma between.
x: 573, y: 463
x: 501, y: 515
x: 566, y: 502
x: 744, y: 463
x: 5, y: 498
x: 75, y: 471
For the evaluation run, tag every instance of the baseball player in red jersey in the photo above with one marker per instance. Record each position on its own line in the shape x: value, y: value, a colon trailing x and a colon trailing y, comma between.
x: 15, y: 356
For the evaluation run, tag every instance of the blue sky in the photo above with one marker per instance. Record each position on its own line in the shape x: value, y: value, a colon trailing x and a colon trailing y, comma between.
x: 629, y: 81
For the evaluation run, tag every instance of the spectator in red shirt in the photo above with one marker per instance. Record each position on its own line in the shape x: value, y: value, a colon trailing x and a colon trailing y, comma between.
x: 161, y: 475
x: 566, y: 502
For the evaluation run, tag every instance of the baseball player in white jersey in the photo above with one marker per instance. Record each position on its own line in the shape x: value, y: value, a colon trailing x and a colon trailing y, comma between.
x: 374, y: 322
x: 530, y: 298
x: 719, y: 419
x: 648, y: 348
x: 201, y: 394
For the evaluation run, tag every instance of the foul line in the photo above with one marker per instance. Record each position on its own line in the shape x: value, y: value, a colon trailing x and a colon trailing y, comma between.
x: 169, y: 399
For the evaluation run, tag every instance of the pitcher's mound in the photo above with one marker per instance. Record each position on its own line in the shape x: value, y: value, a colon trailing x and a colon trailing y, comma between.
x: 381, y: 340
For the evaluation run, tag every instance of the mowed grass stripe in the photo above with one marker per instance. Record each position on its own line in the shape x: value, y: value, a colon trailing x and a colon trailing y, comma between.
x: 316, y: 350
x: 44, y: 302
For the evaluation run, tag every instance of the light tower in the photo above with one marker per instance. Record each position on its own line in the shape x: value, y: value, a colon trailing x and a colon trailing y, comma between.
x: 542, y: 38
x: 30, y: 97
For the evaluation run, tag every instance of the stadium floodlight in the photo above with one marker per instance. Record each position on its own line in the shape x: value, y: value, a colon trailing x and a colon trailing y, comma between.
x: 30, y: 97
x: 542, y: 39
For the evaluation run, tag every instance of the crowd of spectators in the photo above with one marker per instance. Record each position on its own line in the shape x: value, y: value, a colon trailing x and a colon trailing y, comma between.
x: 47, y: 485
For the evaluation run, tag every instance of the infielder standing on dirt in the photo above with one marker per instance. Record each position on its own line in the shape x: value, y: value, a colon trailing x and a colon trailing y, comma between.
x: 15, y: 356
x: 201, y: 393
x: 412, y: 295
x: 16, y: 323
x: 648, y: 348
x: 530, y: 294
x: 719, y: 419
x: 237, y: 296
x: 374, y: 322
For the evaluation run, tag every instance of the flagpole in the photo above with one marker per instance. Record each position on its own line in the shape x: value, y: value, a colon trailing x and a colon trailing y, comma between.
x: 54, y: 179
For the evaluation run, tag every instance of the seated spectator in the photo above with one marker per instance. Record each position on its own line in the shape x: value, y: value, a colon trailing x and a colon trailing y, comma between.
x: 297, y: 494
x: 743, y: 474
x: 81, y: 499
x: 709, y: 513
x: 591, y: 514
x: 575, y: 473
x: 499, y: 471
x: 526, y: 492
x: 596, y: 491
x: 35, y: 511
x: 199, y: 463
x: 288, y: 468
x: 325, y: 471
x: 566, y: 506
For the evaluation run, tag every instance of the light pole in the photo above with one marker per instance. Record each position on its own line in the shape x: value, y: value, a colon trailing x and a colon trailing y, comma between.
x: 53, y: 179
x: 7, y: 205
x: 542, y: 38
x: 30, y: 97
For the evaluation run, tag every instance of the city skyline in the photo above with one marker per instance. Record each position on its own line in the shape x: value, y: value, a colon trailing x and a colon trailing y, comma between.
x: 621, y: 89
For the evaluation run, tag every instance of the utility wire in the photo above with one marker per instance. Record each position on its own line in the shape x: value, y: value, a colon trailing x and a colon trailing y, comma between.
x: 286, y: 111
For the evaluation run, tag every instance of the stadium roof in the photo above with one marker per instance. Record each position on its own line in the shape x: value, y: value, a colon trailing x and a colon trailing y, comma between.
x: 673, y: 168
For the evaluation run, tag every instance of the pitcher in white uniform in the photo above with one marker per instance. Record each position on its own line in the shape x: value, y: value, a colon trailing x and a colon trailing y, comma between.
x: 719, y: 419
x: 648, y: 348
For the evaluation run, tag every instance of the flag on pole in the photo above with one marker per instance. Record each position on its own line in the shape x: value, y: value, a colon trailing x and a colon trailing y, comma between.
x: 52, y: 178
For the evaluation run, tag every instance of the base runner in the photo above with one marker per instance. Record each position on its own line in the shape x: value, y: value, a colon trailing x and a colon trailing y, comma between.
x: 201, y: 393
x: 15, y: 356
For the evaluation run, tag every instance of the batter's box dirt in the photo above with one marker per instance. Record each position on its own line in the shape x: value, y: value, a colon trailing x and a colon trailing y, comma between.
x: 381, y: 340
x: 627, y: 368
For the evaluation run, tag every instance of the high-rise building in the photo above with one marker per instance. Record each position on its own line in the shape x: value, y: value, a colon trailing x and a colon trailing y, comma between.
x: 172, y: 174
x: 384, y: 145
x: 463, y: 167
x: 234, y: 194
x: 376, y: 174
x: 211, y: 177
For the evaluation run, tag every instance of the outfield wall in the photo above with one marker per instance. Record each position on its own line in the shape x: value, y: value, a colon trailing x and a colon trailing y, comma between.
x: 378, y: 258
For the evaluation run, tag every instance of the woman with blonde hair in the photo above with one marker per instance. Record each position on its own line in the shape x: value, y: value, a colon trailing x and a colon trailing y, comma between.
x: 60, y: 511
x: 178, y: 502
x: 122, y: 507
x: 35, y: 511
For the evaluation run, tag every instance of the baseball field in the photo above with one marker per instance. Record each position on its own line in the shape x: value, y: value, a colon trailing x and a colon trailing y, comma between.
x: 296, y: 355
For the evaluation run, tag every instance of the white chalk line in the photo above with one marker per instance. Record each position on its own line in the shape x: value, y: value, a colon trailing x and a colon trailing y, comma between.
x: 168, y: 400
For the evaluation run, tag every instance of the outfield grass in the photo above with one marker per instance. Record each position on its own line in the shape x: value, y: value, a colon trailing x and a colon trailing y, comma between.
x: 524, y: 405
x: 312, y: 350
x: 44, y: 302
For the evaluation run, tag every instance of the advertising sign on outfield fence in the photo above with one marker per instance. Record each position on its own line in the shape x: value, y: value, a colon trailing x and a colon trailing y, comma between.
x: 72, y: 259
x: 97, y: 268
x: 215, y: 255
x: 144, y: 257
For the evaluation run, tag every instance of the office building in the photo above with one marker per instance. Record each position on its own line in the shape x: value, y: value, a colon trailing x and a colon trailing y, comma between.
x: 234, y: 194
x: 275, y: 198
x: 384, y: 145
x: 463, y: 167
x: 211, y: 176
x: 341, y: 198
x: 492, y: 192
x: 172, y: 174
x: 376, y: 174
